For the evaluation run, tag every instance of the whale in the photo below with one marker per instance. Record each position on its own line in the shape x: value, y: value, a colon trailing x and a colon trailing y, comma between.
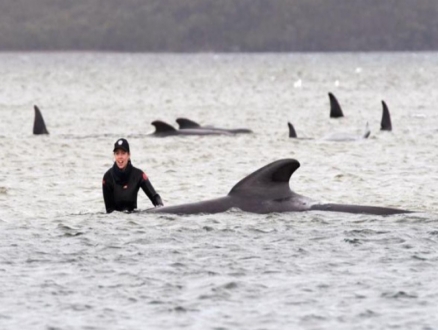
x: 348, y: 136
x: 335, y: 108
x: 163, y: 129
x: 293, y: 133
x: 185, y: 123
x: 385, y: 123
x: 266, y: 191
x: 333, y: 136
x: 39, y: 127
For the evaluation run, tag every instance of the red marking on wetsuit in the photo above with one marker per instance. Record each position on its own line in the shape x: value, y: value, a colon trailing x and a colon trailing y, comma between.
x: 125, y: 187
x: 145, y: 177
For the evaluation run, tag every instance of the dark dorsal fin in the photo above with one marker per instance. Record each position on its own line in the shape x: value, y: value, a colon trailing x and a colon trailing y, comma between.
x: 367, y: 132
x: 185, y: 123
x: 292, y: 133
x: 335, y: 108
x: 271, y: 180
x: 39, y: 127
x: 385, y: 124
x: 162, y: 127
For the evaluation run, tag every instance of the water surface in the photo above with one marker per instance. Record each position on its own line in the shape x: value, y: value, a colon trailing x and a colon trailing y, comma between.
x: 65, y: 264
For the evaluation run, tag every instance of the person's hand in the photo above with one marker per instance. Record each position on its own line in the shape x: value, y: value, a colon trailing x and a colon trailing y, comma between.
x: 158, y: 201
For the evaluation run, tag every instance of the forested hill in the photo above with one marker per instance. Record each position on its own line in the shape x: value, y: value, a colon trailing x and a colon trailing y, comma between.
x: 219, y: 25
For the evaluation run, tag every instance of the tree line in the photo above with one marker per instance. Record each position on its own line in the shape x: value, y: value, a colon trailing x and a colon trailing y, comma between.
x: 219, y: 25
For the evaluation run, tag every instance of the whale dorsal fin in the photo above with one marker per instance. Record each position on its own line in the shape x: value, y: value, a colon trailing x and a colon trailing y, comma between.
x: 292, y: 133
x: 185, y: 123
x: 162, y: 127
x: 271, y: 180
x: 335, y: 108
x: 367, y: 131
x: 39, y: 127
x: 385, y: 124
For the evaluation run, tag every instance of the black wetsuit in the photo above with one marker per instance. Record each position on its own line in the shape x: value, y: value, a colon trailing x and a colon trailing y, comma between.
x: 120, y: 188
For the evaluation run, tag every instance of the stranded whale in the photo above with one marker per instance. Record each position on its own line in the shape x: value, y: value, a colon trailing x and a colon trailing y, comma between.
x: 334, y: 136
x: 163, y: 129
x: 185, y: 123
x: 348, y: 136
x: 39, y: 127
x: 267, y: 190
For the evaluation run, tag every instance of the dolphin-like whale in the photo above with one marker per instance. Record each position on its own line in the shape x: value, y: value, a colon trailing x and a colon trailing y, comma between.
x: 385, y: 124
x: 163, y: 129
x: 334, y: 136
x: 266, y: 191
x: 335, y: 108
x: 185, y: 123
x: 39, y: 127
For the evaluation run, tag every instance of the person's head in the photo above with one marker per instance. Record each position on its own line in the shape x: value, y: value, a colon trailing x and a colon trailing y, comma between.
x: 121, y: 153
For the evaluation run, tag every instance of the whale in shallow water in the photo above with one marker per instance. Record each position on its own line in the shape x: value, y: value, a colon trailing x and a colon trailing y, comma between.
x: 185, y: 123
x: 39, y: 127
x: 348, y: 136
x: 266, y: 191
x: 293, y: 133
x: 333, y: 136
x: 385, y: 124
x: 335, y: 108
x: 163, y: 129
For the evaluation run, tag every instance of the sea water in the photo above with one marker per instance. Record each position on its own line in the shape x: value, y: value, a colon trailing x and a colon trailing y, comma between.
x: 65, y: 264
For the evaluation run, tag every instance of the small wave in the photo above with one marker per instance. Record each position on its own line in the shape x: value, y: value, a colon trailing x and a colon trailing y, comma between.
x: 353, y: 241
x: 398, y: 295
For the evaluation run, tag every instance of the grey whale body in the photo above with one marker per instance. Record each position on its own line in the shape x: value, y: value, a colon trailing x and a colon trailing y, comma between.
x: 267, y: 191
x: 332, y: 137
x: 163, y: 129
x: 185, y: 123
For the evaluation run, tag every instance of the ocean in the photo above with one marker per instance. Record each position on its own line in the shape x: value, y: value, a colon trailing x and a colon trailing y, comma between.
x: 66, y: 264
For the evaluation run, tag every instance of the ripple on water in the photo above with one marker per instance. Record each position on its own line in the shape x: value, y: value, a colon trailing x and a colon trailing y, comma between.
x: 66, y: 264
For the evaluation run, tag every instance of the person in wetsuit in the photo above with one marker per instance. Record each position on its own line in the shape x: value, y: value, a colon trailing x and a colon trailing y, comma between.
x: 122, y: 182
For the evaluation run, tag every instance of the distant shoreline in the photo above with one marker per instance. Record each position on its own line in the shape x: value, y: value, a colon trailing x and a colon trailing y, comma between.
x: 226, y: 26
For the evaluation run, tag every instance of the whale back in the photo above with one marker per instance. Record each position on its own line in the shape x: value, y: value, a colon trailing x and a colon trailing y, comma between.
x: 185, y: 123
x: 270, y: 181
x: 267, y: 190
x: 162, y: 128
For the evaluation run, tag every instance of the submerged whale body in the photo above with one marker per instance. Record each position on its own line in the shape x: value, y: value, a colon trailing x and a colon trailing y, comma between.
x: 39, y: 127
x: 185, y: 123
x: 349, y: 137
x: 163, y: 129
x: 266, y: 191
x: 293, y: 133
x: 334, y: 136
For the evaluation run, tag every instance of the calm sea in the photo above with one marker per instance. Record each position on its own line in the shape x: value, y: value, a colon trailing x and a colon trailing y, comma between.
x: 65, y: 264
